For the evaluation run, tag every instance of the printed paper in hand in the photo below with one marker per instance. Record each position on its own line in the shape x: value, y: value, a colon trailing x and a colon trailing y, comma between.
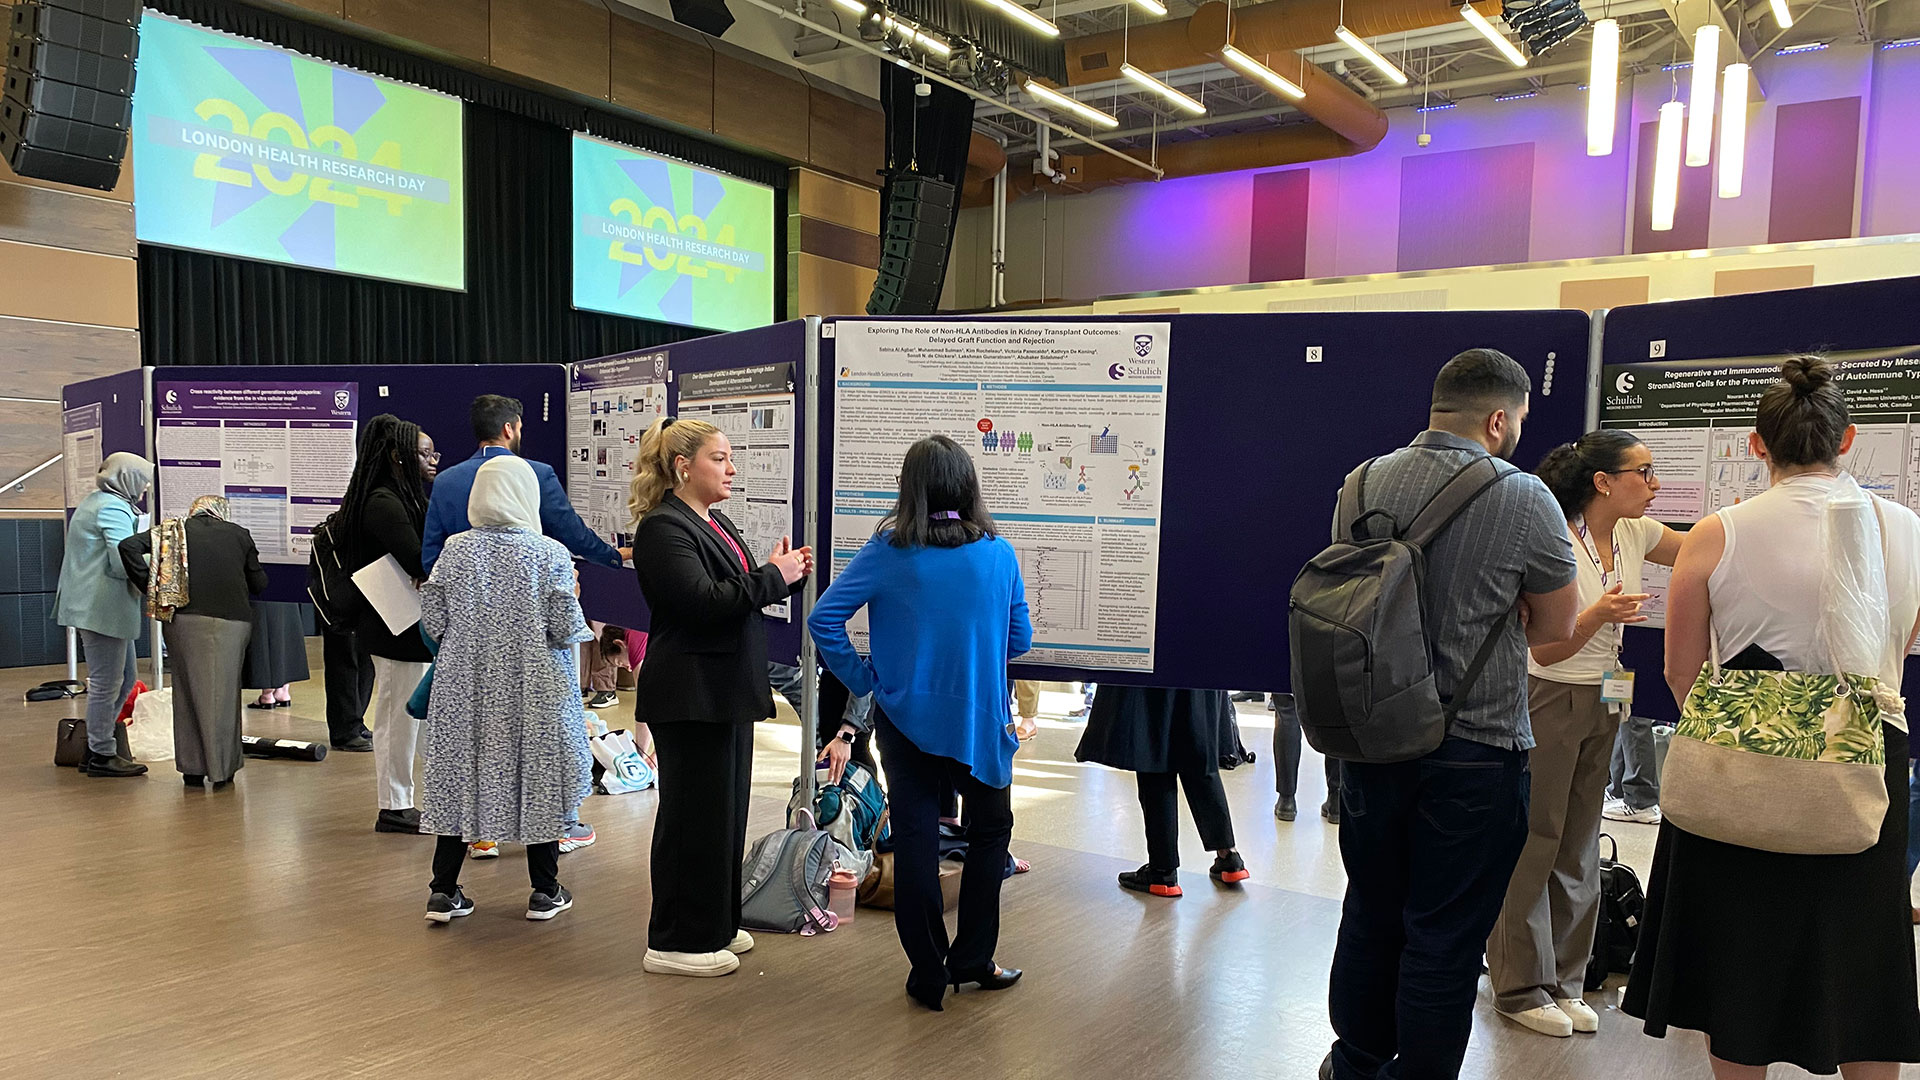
x: 391, y: 592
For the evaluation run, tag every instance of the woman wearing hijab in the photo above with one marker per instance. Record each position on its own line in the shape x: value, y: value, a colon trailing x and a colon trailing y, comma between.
x: 202, y: 574
x: 507, y: 756
x: 96, y: 598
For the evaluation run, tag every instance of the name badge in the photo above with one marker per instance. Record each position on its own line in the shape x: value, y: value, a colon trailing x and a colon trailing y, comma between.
x: 1616, y: 687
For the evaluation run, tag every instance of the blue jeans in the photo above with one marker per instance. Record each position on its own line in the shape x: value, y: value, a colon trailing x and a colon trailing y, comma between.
x: 1913, y: 821
x: 110, y: 678
x: 1428, y: 846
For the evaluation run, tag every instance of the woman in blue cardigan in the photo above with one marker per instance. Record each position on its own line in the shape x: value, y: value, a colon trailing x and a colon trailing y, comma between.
x: 947, y: 610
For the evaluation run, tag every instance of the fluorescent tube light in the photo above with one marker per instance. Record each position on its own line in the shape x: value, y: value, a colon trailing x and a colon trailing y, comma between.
x: 1079, y: 108
x: 1706, y: 69
x: 1733, y: 129
x: 1368, y: 54
x: 1507, y: 48
x: 1666, y: 165
x: 1603, y: 88
x: 1176, y: 97
x: 1022, y: 15
x: 1151, y: 7
x: 1256, y: 70
x: 1781, y: 15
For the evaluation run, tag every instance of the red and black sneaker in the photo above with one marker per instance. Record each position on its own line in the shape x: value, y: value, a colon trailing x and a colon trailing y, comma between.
x: 1228, y: 869
x: 1148, y: 880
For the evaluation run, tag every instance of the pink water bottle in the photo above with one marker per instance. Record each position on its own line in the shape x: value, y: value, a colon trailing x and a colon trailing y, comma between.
x: 841, y: 886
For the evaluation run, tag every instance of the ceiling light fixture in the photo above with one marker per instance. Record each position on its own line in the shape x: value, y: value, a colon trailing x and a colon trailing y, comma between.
x: 855, y: 7
x: 1254, y: 69
x: 1479, y: 22
x: 1437, y: 107
x: 1603, y: 83
x: 1370, y: 55
x: 926, y: 41
x: 1795, y: 50
x: 1903, y: 43
x: 1781, y: 15
x: 1024, y: 16
x: 1678, y: 65
x: 1522, y: 96
x: 1706, y: 69
x: 1176, y: 97
x: 1733, y: 129
x: 1151, y: 7
x: 1079, y: 108
x: 1666, y: 165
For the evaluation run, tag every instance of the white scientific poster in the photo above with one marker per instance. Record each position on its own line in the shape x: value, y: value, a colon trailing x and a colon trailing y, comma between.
x: 81, y: 430
x: 1066, y: 422
x: 612, y: 403
x: 280, y: 452
x: 754, y: 407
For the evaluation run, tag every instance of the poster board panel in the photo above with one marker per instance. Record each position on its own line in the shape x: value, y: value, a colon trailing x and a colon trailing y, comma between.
x: 113, y: 409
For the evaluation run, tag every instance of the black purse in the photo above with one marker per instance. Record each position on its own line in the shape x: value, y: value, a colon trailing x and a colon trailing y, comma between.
x: 70, y: 742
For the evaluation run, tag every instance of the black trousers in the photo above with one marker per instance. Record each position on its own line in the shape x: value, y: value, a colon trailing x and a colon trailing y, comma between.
x: 917, y: 781
x: 349, y: 673
x: 1286, y: 753
x: 1206, y: 797
x: 699, y: 834
x: 543, y: 865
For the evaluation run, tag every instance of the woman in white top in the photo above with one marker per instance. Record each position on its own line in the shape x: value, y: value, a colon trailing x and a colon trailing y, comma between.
x: 1537, y: 954
x: 1806, y: 959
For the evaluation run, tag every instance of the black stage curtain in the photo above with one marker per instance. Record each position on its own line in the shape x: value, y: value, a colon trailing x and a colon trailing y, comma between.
x: 197, y: 308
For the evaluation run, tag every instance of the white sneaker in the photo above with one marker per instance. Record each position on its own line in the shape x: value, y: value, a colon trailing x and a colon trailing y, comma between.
x: 701, y: 965
x: 1547, y: 1020
x: 742, y: 942
x: 1621, y: 812
x: 1584, y: 1018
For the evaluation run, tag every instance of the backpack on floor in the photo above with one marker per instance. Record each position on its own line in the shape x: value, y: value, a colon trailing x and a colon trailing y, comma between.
x: 1357, y: 623
x: 1617, y: 932
x: 853, y: 810
x: 783, y: 886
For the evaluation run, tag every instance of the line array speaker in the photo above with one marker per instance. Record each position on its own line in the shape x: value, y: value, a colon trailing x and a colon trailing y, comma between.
x: 67, y: 102
x: 913, y: 246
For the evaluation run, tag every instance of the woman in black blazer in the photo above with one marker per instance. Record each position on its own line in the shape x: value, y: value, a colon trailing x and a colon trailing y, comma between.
x: 701, y: 688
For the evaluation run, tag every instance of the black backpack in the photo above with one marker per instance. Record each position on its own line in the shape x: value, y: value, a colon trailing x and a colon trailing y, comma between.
x: 330, y: 585
x: 1617, y: 932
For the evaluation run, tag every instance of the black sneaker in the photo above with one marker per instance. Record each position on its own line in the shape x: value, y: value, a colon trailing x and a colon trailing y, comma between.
x: 1151, y: 881
x: 1229, y: 869
x: 1285, y: 808
x: 359, y: 744
x: 442, y: 908
x: 542, y: 906
x: 398, y: 821
x: 603, y: 701
x: 115, y: 766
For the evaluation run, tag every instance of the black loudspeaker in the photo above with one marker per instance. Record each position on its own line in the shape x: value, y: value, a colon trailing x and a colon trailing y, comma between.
x: 913, y: 246
x: 67, y: 102
x: 706, y: 16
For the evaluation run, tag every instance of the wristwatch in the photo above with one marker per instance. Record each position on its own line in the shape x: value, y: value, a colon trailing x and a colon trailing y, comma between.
x: 846, y: 737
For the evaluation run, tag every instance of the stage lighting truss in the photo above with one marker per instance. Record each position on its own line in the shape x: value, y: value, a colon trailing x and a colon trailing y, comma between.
x: 1542, y: 24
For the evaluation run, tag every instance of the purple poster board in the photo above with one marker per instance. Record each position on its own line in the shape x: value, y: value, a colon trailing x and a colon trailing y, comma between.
x: 121, y: 398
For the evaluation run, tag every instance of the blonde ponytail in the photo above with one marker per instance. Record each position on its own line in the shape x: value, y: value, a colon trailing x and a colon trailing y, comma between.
x: 653, y: 474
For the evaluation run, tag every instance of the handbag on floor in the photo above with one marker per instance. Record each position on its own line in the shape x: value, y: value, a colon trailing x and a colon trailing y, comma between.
x: 70, y: 742
x: 1617, y: 933
x: 876, y: 889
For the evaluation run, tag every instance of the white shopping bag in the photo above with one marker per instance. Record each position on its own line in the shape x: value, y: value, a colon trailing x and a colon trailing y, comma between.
x: 625, y: 769
x: 150, y: 728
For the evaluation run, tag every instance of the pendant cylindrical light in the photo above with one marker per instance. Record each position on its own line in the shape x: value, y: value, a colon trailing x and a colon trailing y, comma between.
x: 1370, y: 55
x: 1733, y: 129
x: 1781, y: 16
x: 1151, y: 7
x: 1666, y: 165
x: 1603, y: 88
x: 1706, y: 70
x: 1178, y: 99
x: 1254, y: 69
x: 1507, y: 48
x: 1081, y: 109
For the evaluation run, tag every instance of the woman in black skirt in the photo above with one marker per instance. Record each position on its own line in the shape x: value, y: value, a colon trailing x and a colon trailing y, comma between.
x: 1167, y: 737
x: 1804, y: 959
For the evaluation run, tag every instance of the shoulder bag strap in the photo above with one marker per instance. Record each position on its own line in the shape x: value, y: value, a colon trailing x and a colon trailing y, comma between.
x: 1353, y: 495
x: 1469, y: 483
x: 1474, y: 669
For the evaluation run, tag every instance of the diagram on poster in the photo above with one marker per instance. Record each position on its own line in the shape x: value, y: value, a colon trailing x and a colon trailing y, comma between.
x: 1696, y: 417
x: 753, y: 406
x: 1066, y: 424
x: 280, y: 452
x: 613, y: 402
x: 81, y: 430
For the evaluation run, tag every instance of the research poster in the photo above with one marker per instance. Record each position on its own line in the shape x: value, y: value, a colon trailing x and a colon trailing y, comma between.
x: 253, y: 151
x: 1066, y: 422
x: 753, y: 406
x: 1695, y: 417
x: 280, y: 452
x: 81, y: 430
x: 660, y: 239
x: 613, y: 402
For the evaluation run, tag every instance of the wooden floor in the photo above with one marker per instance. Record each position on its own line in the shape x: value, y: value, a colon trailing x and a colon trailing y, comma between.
x: 267, y: 931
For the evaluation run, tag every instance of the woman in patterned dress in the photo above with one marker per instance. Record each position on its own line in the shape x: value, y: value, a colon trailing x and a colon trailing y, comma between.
x: 506, y: 744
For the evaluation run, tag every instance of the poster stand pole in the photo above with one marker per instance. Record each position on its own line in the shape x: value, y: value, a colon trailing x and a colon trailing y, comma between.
x: 810, y: 503
x: 73, y: 655
x: 154, y: 642
x: 1595, y: 361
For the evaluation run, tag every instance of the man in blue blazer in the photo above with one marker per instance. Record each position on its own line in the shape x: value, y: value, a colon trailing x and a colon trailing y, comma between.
x: 496, y: 423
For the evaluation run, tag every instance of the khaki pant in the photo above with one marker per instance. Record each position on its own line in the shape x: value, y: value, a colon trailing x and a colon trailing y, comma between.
x: 1026, y: 697
x: 1540, y: 946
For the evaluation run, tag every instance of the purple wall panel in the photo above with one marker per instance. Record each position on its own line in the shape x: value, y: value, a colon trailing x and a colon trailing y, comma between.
x: 1466, y: 207
x: 1816, y: 154
x: 1279, y: 243
x: 1690, y: 214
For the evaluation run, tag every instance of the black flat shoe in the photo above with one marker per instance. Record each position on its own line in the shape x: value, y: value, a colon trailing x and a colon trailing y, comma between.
x: 287, y: 704
x: 193, y: 779
x: 997, y: 978
x: 261, y: 705
x: 355, y: 745
x: 1286, y: 809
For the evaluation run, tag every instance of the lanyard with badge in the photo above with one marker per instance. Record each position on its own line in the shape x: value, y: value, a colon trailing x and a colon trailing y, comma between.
x: 1616, y: 683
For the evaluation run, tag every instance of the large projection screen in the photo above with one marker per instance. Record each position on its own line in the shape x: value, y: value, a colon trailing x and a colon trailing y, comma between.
x: 249, y: 150
x: 660, y: 239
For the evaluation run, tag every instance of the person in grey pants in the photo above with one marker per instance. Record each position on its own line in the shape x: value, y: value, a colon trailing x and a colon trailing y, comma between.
x: 96, y: 599
x: 1633, y: 792
x: 1286, y: 769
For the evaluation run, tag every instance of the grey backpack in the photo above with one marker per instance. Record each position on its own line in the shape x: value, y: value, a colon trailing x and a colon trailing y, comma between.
x: 783, y: 885
x: 1362, y: 658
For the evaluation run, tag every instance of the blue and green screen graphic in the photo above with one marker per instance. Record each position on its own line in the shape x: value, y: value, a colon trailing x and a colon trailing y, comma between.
x: 660, y: 239
x: 248, y: 150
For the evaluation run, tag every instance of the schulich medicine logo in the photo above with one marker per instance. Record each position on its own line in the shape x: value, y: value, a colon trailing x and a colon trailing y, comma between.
x: 1624, y: 384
